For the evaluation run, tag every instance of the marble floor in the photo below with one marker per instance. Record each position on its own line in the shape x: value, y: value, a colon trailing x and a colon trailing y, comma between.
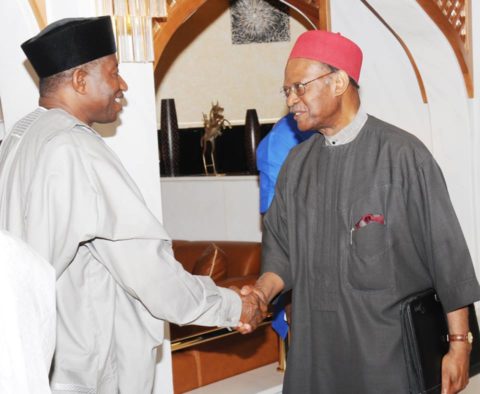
x: 264, y: 380
x: 267, y: 380
x: 474, y: 386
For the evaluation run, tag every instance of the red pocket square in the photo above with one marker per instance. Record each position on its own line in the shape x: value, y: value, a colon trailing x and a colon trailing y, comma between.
x: 369, y: 217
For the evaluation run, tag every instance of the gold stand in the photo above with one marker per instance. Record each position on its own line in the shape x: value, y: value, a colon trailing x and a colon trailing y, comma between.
x: 210, y: 165
x: 207, y: 335
x: 207, y: 167
x: 282, y: 352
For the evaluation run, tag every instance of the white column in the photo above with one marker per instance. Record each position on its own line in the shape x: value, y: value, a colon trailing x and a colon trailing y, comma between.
x: 18, y: 90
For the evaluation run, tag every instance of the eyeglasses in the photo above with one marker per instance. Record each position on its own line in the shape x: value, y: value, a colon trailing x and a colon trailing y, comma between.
x: 299, y: 88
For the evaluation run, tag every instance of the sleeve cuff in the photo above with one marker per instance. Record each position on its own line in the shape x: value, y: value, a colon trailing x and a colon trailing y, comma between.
x: 233, y: 307
x: 461, y: 296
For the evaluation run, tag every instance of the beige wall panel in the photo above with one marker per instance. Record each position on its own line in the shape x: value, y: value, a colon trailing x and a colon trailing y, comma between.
x: 201, y: 65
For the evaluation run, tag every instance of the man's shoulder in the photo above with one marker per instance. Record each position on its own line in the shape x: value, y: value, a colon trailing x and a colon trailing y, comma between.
x: 301, y: 153
x: 391, y: 132
x: 53, y: 119
x: 56, y: 135
x: 306, y: 146
x: 55, y: 122
x: 43, y: 126
x: 56, y: 128
x: 396, y: 138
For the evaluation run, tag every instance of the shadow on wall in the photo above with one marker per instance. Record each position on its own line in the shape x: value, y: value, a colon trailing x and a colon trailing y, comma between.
x: 186, y: 34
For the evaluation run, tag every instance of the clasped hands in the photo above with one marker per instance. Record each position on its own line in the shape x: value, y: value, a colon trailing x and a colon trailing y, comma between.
x: 254, y: 308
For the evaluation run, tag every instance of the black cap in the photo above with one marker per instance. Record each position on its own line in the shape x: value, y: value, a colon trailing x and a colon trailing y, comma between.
x: 68, y: 43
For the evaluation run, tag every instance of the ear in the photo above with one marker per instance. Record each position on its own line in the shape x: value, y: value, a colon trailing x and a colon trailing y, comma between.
x: 79, y: 82
x: 341, y: 82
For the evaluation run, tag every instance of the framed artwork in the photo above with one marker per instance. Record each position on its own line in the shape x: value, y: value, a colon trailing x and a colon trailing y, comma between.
x: 259, y: 21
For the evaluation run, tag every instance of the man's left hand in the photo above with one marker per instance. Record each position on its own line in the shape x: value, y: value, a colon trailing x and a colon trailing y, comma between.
x: 455, y: 366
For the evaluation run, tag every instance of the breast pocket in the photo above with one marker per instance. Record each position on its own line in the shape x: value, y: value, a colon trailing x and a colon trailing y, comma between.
x: 370, y: 265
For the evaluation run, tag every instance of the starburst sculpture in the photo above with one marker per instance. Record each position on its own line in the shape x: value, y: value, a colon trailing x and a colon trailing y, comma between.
x: 258, y: 21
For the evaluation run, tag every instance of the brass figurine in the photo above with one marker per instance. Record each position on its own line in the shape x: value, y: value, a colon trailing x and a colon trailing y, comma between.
x: 214, y: 125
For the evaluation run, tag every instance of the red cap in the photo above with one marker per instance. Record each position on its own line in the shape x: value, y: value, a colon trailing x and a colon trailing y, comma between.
x: 329, y: 48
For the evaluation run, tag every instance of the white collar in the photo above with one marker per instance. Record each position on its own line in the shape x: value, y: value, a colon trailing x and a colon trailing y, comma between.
x: 349, y: 132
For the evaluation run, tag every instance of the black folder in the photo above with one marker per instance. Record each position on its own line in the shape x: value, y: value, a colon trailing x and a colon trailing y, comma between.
x: 424, y: 331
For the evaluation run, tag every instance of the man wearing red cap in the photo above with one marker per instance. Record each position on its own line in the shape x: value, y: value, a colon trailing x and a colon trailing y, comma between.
x: 360, y: 220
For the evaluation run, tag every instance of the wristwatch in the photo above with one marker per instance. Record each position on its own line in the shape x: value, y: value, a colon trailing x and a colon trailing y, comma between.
x: 468, y: 337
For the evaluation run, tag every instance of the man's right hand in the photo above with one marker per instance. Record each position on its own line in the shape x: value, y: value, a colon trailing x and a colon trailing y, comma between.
x: 254, y: 308
x: 255, y: 300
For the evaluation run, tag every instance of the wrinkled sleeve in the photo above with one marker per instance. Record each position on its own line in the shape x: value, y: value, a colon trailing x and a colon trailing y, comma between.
x: 147, y: 270
x: 87, y: 198
x: 275, y: 241
x: 439, y: 238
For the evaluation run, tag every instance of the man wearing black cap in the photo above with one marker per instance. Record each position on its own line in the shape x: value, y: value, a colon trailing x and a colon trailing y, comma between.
x: 361, y: 219
x: 67, y: 195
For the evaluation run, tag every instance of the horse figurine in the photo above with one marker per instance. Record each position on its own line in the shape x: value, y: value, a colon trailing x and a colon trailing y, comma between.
x: 214, y: 125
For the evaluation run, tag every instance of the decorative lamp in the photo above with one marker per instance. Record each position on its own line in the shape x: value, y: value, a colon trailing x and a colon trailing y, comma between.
x: 132, y: 21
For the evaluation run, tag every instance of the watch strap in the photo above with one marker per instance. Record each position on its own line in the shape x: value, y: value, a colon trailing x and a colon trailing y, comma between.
x: 468, y: 337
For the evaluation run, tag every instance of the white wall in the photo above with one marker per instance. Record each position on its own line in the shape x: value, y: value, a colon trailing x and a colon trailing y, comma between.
x: 212, y: 208
x: 18, y: 90
x: 474, y: 138
x: 201, y: 65
x: 474, y: 386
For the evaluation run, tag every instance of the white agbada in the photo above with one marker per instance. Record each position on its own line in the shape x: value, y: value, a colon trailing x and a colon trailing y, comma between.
x: 27, y: 318
x: 67, y: 195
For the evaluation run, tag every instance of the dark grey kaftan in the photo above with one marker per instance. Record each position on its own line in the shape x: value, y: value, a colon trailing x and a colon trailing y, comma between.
x: 347, y: 285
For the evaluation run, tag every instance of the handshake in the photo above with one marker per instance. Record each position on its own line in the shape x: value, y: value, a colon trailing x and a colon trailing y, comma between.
x: 254, y: 308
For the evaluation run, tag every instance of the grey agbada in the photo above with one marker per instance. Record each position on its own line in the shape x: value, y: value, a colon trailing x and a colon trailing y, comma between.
x: 68, y: 196
x: 348, y: 282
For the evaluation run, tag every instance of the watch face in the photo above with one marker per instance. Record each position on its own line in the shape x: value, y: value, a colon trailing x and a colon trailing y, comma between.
x: 470, y: 337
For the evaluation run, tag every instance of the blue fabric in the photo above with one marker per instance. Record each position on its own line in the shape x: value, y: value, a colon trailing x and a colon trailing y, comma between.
x: 271, y: 153
x: 279, y: 321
